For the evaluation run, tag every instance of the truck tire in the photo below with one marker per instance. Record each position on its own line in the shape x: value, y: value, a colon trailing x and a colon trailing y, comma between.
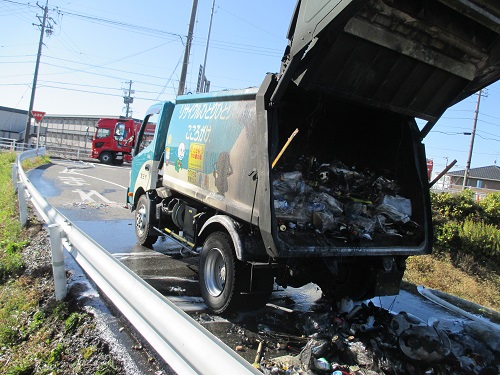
x: 106, y: 157
x: 143, y: 227
x: 220, y: 273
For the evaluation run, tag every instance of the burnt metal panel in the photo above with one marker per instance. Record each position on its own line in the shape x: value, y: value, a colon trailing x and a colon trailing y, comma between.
x: 414, y: 57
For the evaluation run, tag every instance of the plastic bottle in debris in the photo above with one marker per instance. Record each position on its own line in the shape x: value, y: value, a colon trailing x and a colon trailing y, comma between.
x: 280, y: 204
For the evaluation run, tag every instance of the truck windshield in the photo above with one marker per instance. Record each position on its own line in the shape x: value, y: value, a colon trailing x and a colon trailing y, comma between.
x: 147, y: 136
x: 102, y: 133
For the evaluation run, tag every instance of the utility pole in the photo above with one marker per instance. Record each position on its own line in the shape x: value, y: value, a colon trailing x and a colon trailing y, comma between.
x: 35, y: 78
x: 473, y: 134
x: 202, y: 83
x: 182, y: 81
x: 127, y: 98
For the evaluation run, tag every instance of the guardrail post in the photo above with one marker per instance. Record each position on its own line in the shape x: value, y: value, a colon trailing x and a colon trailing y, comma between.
x: 15, y: 176
x: 23, y: 209
x: 58, y: 261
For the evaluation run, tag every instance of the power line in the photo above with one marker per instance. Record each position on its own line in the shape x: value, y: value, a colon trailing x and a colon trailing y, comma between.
x: 104, y: 75
x: 121, y: 24
x: 96, y: 92
x: 249, y: 23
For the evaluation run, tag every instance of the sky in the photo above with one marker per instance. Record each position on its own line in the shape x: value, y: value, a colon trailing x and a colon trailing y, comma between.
x: 96, y: 48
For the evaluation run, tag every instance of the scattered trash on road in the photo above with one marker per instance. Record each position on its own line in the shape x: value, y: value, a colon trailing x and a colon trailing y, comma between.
x: 363, y: 339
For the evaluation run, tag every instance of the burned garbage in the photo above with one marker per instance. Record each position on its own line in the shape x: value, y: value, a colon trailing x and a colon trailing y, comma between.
x: 363, y: 339
x: 341, y: 203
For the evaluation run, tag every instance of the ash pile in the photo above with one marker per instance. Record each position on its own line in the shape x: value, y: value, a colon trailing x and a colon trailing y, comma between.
x: 341, y: 203
x: 364, y: 339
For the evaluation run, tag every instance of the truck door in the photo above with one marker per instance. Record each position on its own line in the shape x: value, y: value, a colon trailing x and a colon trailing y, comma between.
x: 140, y: 174
x: 148, y: 150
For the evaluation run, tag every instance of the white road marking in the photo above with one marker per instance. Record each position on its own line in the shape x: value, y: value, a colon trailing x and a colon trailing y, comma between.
x: 73, y: 181
x: 70, y: 171
x: 87, y: 196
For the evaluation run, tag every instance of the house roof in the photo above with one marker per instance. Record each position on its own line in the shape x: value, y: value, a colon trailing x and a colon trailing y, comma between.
x: 491, y: 172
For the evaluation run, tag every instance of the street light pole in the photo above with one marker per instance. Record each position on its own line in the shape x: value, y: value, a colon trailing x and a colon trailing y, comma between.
x: 206, y: 49
x: 473, y: 134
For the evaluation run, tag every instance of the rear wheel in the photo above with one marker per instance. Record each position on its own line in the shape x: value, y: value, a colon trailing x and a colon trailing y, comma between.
x: 143, y: 227
x: 106, y: 157
x: 219, y: 272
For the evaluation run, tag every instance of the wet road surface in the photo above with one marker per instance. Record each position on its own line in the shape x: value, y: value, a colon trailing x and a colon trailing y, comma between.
x: 92, y: 196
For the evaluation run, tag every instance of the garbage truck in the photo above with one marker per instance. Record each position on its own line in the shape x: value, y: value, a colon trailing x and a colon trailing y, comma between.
x: 320, y: 173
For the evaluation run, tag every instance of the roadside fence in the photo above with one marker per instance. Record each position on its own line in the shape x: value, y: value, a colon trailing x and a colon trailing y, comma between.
x: 10, y: 144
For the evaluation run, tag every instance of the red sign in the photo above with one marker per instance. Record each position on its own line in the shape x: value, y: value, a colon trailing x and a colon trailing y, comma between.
x: 37, y: 115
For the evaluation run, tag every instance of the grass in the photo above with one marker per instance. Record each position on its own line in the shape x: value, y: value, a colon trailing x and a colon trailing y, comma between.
x: 459, y: 276
x: 30, y: 319
x: 12, y: 239
x: 38, y: 335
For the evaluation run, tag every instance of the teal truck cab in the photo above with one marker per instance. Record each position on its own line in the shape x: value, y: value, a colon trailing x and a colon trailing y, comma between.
x: 320, y: 174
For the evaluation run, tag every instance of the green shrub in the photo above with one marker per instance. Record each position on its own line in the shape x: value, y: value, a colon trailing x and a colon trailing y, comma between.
x: 447, y: 236
x: 459, y: 206
x: 491, y: 208
x: 480, y: 240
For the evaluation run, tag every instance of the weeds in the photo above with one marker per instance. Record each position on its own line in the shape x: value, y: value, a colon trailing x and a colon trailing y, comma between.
x: 440, y: 273
x: 73, y: 321
x: 108, y: 368
x: 18, y: 301
x: 56, y: 353
x: 466, y: 257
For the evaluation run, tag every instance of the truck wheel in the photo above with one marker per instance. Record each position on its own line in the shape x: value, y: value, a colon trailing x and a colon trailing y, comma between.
x: 143, y: 228
x: 106, y: 157
x: 219, y: 272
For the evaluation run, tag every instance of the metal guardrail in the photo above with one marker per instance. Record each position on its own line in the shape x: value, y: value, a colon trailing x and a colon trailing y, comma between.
x: 184, y: 344
x: 67, y: 151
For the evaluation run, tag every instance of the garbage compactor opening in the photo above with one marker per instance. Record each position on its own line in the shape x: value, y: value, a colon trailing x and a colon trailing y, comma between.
x: 350, y: 183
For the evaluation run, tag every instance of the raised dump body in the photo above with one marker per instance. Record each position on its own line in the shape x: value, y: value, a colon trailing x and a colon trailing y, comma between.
x: 320, y: 174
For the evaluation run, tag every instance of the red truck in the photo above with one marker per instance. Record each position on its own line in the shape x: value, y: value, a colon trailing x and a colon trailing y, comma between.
x: 114, y: 139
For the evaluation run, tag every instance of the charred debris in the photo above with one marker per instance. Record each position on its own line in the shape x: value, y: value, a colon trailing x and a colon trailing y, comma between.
x: 342, y: 204
x: 364, y: 339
